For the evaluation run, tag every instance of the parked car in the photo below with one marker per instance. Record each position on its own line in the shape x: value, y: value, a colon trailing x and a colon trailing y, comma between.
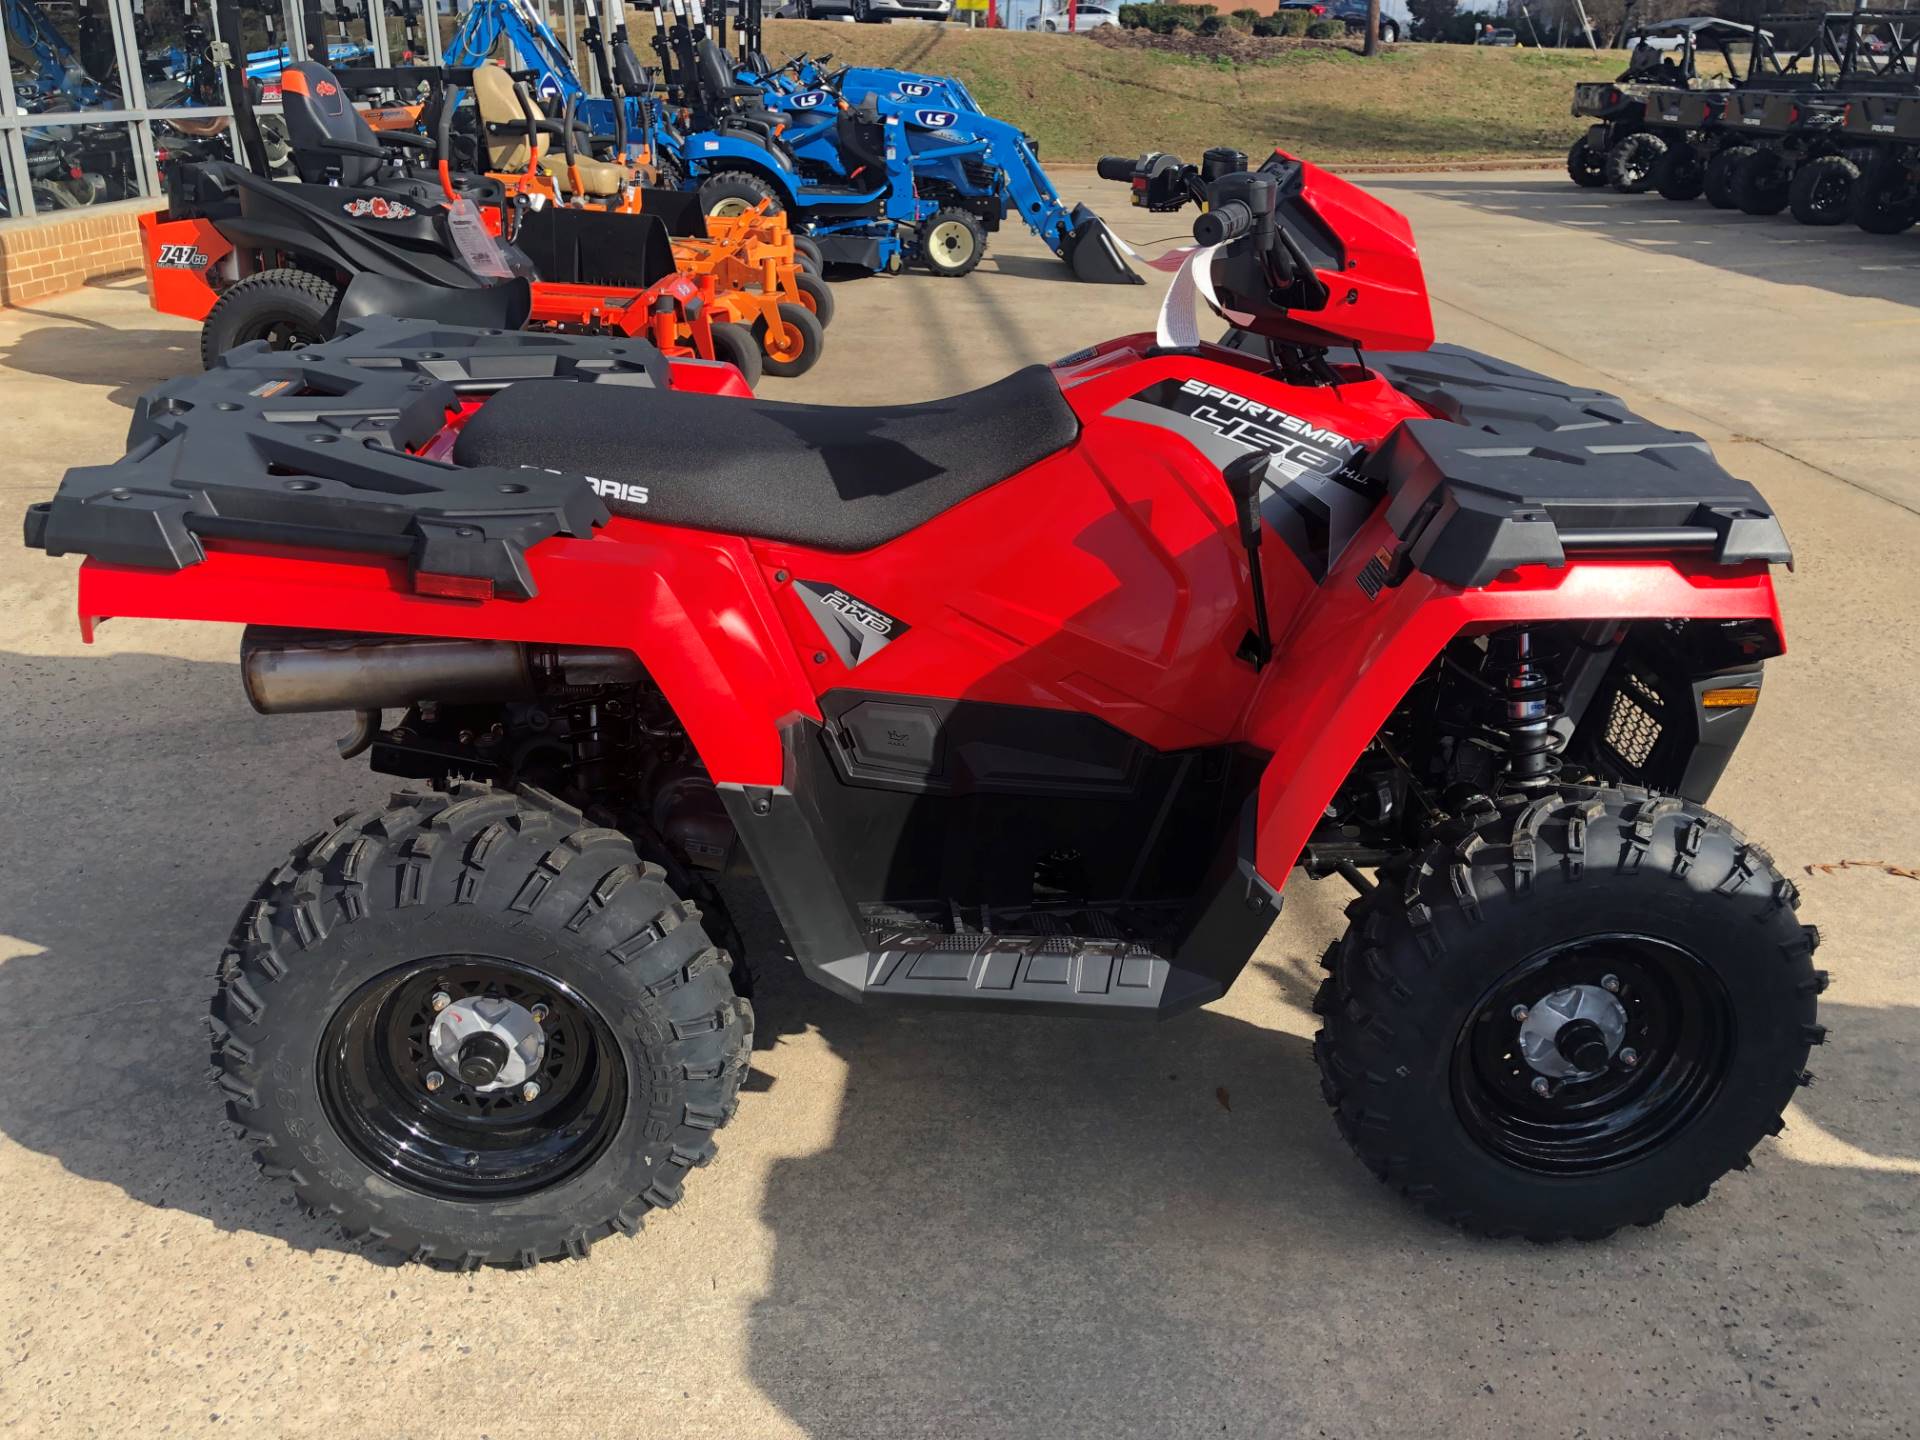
x: 874, y: 11
x: 1351, y: 13
x: 1085, y: 17
x: 1498, y: 37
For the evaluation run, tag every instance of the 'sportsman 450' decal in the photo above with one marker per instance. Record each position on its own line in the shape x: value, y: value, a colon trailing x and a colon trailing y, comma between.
x: 1313, y: 497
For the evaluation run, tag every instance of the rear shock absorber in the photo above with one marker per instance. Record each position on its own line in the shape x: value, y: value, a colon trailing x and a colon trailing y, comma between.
x: 1528, y: 704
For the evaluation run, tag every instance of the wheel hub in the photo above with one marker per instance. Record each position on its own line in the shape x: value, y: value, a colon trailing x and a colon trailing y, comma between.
x: 489, y: 1042
x: 1573, y: 1033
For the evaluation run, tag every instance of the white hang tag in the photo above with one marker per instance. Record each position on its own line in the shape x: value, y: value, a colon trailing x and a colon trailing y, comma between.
x: 479, y: 251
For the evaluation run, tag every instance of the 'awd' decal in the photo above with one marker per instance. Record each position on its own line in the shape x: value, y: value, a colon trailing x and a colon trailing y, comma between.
x: 1312, y: 497
x: 856, y: 630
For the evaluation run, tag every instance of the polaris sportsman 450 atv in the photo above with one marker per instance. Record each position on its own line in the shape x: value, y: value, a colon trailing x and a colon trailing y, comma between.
x: 1033, y: 698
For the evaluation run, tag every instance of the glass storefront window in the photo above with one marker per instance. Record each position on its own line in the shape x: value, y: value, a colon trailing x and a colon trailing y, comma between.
x: 172, y: 37
x: 62, y: 56
x: 74, y: 166
x: 187, y: 139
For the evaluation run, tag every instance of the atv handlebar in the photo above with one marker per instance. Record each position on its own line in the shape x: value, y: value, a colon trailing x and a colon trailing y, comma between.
x: 1229, y: 222
x: 1115, y: 167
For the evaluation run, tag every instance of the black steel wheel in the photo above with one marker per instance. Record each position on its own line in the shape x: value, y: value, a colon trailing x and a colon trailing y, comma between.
x: 472, y: 1077
x: 473, y: 1029
x: 1568, y: 1012
x: 1591, y: 1053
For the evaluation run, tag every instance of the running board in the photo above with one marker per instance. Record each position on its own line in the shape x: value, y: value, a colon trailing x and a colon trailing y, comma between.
x: 1053, y: 973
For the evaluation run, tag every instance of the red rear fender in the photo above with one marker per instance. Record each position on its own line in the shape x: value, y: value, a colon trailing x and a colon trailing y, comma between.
x: 691, y: 606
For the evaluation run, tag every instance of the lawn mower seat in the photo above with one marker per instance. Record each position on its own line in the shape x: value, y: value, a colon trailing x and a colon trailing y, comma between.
x: 833, y: 477
x: 326, y: 134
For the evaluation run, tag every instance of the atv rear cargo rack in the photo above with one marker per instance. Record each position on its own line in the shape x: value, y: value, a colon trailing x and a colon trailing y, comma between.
x: 312, y: 448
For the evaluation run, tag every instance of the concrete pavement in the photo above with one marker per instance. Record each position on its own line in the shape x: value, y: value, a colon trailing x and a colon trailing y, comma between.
x: 923, y: 1225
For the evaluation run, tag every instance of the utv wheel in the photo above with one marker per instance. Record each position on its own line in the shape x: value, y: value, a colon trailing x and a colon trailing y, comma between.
x: 817, y: 296
x: 728, y: 193
x: 740, y: 348
x: 1680, y: 175
x: 1585, y: 167
x: 1761, y: 185
x: 289, y: 309
x: 798, y: 351
x: 1630, y: 164
x: 952, y: 243
x: 1717, y: 184
x: 1884, y: 209
x: 1822, y: 190
x: 1569, y: 1013
x: 471, y: 1028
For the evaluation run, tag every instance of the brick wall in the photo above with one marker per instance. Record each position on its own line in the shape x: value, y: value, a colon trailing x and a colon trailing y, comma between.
x: 49, y: 254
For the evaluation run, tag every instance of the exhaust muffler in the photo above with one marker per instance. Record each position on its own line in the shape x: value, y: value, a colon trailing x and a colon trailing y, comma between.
x: 291, y: 672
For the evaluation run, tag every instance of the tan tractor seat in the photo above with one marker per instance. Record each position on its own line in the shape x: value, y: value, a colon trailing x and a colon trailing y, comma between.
x: 597, y: 177
x: 502, y: 121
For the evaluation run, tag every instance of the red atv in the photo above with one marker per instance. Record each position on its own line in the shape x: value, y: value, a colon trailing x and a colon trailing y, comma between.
x: 1029, y: 698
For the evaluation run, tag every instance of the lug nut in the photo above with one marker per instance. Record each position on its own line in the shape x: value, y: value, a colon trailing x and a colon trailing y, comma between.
x: 441, y: 1000
x: 435, y: 1079
x: 530, y: 1092
x: 473, y: 1159
x: 1610, y: 984
x: 540, y: 1014
x: 1629, y: 1057
x: 1542, y: 1086
x: 1519, y: 1012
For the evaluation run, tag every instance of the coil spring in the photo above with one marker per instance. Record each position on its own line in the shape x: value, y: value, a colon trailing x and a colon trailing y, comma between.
x: 1526, y: 706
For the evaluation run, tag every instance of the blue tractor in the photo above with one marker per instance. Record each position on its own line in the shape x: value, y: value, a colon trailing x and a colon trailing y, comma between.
x: 915, y: 152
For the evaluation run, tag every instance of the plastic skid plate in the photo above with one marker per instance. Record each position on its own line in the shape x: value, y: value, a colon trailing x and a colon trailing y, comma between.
x: 311, y: 448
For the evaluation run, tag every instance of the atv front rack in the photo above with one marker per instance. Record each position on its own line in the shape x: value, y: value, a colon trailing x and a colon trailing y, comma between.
x: 1526, y: 470
x: 316, y: 447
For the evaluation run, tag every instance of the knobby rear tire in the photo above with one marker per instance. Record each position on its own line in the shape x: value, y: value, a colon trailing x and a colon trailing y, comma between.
x: 478, y: 871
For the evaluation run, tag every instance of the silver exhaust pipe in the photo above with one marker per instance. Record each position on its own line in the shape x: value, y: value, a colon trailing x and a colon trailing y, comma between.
x: 290, y: 672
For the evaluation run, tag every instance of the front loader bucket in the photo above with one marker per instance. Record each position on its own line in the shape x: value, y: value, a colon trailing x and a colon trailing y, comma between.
x: 1094, y: 253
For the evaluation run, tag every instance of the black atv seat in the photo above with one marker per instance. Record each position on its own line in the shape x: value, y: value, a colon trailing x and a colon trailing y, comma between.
x: 833, y: 477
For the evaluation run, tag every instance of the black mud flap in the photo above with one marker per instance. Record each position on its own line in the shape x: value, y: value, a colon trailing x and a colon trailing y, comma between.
x: 1094, y: 254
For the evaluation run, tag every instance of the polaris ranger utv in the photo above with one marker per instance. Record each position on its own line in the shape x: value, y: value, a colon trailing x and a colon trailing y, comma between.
x: 1798, y: 151
x: 1621, y: 147
x: 1033, y: 698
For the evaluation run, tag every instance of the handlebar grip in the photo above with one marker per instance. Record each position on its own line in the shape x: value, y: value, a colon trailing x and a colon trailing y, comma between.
x: 1223, y: 223
x: 1116, y: 167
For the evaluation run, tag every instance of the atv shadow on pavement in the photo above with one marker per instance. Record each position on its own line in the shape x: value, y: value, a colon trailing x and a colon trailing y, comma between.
x: 1008, y: 1225
x: 1841, y: 260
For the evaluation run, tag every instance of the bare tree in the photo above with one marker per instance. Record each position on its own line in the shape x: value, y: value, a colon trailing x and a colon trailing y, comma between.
x: 1372, y: 47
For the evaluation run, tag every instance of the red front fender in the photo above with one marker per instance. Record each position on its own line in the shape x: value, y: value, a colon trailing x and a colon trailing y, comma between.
x: 1350, y: 659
